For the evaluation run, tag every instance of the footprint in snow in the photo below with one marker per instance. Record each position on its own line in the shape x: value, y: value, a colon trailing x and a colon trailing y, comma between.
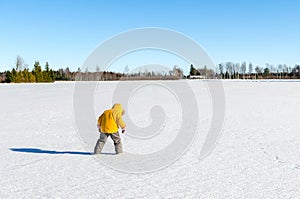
x: 297, y: 166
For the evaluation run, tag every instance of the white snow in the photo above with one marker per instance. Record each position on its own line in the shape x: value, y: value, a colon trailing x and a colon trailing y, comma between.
x: 257, y: 155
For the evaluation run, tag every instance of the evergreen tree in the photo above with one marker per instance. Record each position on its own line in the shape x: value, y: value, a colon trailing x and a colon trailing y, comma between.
x: 52, y: 76
x: 8, y: 77
x: 25, y: 75
x: 266, y: 72
x: 47, y: 67
x: 193, y: 70
x: 37, y: 72
x: 13, y: 75
x: 31, y: 78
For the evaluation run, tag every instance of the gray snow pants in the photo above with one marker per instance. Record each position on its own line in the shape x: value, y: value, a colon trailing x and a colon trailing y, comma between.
x: 102, y: 140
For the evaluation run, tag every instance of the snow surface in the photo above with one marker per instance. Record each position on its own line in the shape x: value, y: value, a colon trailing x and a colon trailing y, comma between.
x: 257, y: 155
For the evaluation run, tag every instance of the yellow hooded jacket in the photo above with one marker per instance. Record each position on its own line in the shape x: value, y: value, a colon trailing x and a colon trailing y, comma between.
x: 111, y: 119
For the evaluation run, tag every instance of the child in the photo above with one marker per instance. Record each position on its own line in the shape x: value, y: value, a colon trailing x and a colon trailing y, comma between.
x: 108, y: 124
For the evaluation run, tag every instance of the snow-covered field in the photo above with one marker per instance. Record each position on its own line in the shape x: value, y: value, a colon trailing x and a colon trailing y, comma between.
x: 257, y: 155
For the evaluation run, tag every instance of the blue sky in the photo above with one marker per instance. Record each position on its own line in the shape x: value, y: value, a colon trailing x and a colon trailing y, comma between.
x: 65, y: 32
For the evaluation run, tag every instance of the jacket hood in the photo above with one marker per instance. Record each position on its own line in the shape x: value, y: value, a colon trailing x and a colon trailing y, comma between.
x: 118, y: 108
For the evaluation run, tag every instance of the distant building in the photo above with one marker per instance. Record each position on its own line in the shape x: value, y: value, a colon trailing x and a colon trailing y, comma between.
x: 197, y: 77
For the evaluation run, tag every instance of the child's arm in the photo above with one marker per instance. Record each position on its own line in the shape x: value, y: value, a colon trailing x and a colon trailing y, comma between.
x: 99, y: 122
x: 121, y: 123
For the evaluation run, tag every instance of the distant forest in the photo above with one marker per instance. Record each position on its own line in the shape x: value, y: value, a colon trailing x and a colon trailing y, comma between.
x: 228, y: 70
x: 231, y: 70
x: 21, y: 74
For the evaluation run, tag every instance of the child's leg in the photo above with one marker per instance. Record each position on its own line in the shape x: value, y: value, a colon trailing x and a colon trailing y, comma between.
x: 100, y: 143
x: 117, y: 142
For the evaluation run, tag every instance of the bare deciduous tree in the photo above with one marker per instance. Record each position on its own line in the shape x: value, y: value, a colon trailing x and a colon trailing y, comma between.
x: 243, y: 69
x: 19, y: 63
x: 250, y: 69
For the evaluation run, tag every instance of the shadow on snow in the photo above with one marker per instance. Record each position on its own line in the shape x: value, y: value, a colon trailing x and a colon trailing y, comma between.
x: 35, y: 150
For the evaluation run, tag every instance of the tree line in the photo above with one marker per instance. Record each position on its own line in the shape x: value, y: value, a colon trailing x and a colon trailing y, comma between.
x: 231, y: 70
x: 21, y: 73
x: 228, y: 70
